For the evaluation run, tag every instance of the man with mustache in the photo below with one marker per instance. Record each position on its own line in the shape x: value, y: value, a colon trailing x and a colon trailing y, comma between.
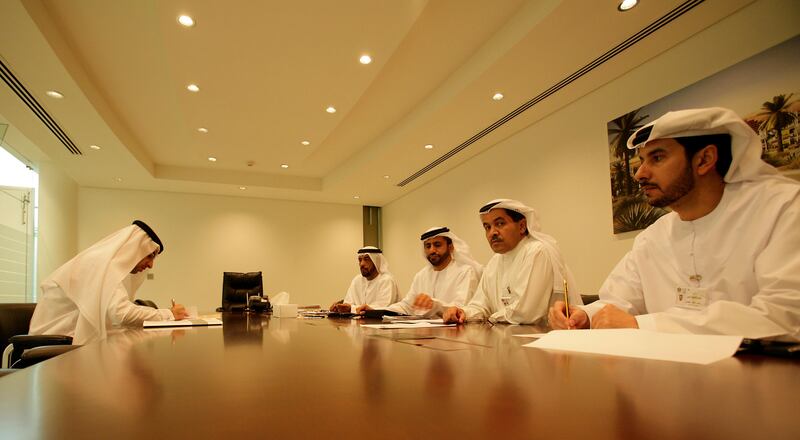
x: 449, y: 280
x: 525, y: 272
x: 374, y: 287
x: 726, y: 260
x: 95, y: 289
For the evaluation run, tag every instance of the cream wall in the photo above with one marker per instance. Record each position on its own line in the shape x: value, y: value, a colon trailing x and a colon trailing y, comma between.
x: 306, y: 249
x: 58, y: 219
x: 559, y: 165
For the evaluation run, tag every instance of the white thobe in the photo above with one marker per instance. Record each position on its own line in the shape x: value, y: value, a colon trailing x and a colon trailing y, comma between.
x: 451, y: 286
x: 516, y: 287
x: 56, y: 314
x: 746, y: 252
x: 377, y: 293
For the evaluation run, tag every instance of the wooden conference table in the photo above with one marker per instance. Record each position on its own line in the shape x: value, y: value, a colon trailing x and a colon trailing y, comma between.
x: 257, y: 377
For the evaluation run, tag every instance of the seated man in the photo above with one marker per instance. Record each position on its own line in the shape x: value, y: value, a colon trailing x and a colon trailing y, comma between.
x: 374, y: 287
x: 449, y: 280
x: 525, y: 272
x: 95, y: 289
x: 725, y: 260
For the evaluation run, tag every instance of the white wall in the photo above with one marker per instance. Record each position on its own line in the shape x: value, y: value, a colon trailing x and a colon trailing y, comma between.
x: 559, y: 165
x: 58, y: 219
x: 306, y: 249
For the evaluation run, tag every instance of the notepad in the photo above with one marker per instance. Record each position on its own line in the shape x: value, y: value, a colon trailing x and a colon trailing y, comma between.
x: 644, y: 344
x: 183, y: 323
x: 422, y: 323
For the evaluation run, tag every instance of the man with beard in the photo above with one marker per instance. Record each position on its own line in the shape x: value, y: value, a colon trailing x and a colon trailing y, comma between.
x: 725, y: 260
x: 449, y: 280
x: 374, y: 287
x: 525, y: 272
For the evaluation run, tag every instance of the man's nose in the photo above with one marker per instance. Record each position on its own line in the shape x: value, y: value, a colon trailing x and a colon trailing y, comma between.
x: 641, y: 173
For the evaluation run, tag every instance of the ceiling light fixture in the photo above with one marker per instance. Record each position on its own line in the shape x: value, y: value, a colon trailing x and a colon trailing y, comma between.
x: 284, y: 166
x: 212, y: 159
x: 627, y: 5
x: 330, y: 109
x: 365, y: 59
x: 54, y: 94
x: 497, y: 96
x: 118, y: 179
x: 356, y: 197
x: 305, y: 142
x: 94, y: 147
x: 386, y: 176
x: 202, y: 130
x: 242, y: 188
x: 429, y: 147
x: 193, y: 88
x: 186, y: 21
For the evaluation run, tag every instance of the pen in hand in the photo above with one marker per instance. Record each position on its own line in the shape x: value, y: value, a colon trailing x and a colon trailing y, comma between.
x: 566, y: 301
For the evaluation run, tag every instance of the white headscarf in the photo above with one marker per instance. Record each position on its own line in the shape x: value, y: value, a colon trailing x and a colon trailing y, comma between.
x: 376, y: 255
x: 90, y: 278
x: 561, y: 271
x: 461, y: 252
x: 746, y: 161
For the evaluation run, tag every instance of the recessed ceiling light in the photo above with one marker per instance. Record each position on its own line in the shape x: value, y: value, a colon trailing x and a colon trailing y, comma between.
x: 386, y: 176
x: 497, y: 96
x: 429, y: 147
x: 94, y: 147
x: 185, y: 20
x: 54, y: 94
x: 356, y: 197
x: 242, y: 188
x: 626, y: 5
x: 365, y: 59
x: 193, y: 88
x: 330, y: 109
x: 284, y: 166
x: 212, y: 159
x: 305, y: 142
x: 202, y: 130
x: 118, y: 179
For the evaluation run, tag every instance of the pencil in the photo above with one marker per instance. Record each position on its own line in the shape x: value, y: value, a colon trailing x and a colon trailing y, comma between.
x: 566, y: 299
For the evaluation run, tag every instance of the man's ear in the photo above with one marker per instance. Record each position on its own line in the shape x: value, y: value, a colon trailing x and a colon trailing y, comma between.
x: 523, y: 226
x: 705, y: 160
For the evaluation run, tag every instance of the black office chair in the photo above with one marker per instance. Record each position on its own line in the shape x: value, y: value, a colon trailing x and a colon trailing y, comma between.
x: 15, y: 321
x: 237, y: 287
x: 145, y: 302
x: 588, y: 299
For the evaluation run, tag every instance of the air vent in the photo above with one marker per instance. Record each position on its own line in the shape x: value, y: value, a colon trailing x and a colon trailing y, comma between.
x: 630, y: 41
x: 37, y: 109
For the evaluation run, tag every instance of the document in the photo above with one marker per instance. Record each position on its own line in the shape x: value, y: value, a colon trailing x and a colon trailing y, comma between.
x: 183, y: 323
x: 418, y: 323
x: 644, y: 344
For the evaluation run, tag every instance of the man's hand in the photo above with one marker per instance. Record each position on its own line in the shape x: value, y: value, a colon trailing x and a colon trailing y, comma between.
x: 360, y: 309
x: 341, y: 308
x: 454, y: 314
x: 613, y: 317
x: 179, y: 311
x: 558, y: 320
x: 423, y: 302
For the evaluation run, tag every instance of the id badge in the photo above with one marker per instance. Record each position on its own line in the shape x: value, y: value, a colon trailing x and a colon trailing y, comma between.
x: 506, y: 299
x: 692, y: 297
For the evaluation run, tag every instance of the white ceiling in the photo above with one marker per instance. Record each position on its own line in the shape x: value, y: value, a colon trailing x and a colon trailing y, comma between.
x: 268, y: 69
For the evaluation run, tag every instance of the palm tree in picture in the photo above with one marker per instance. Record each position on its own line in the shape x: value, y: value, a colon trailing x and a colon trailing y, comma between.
x: 619, y: 130
x: 778, y: 116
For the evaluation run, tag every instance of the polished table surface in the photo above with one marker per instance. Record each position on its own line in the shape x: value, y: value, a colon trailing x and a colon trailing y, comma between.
x: 310, y: 378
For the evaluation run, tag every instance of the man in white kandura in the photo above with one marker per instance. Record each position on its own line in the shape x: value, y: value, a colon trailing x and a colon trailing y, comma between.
x: 449, y: 280
x: 726, y: 260
x: 95, y: 289
x: 525, y: 272
x: 375, y: 286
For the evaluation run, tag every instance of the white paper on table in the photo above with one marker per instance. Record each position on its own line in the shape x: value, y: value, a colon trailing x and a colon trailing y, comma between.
x: 183, y: 323
x: 644, y: 344
x: 409, y: 325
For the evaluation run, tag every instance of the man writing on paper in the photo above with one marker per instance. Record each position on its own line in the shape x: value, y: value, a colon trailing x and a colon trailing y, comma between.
x: 449, y: 280
x: 95, y: 289
x: 726, y: 260
x: 374, y: 287
x: 522, y: 276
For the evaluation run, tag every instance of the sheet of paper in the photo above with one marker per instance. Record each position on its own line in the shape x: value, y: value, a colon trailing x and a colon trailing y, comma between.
x: 530, y: 335
x: 644, y: 344
x: 183, y: 323
x: 410, y: 324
